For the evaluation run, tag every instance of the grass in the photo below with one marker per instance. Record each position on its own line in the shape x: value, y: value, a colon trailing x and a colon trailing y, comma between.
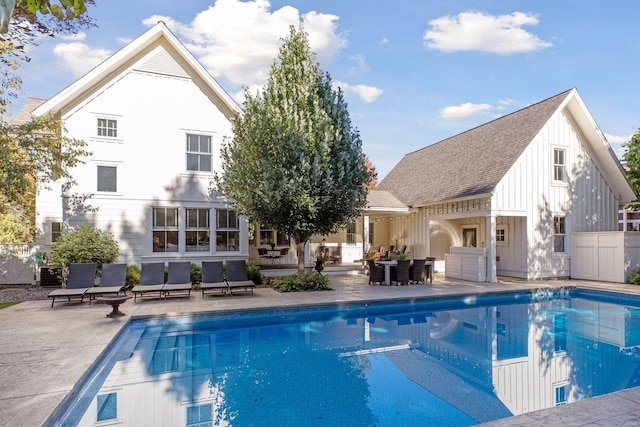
x: 8, y: 304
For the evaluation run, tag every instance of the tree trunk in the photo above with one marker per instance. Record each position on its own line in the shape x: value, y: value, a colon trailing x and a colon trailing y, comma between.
x: 300, y: 253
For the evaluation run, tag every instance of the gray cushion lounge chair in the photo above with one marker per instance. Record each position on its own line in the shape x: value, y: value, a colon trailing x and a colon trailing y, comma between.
x: 151, y: 279
x: 112, y: 281
x: 237, y: 276
x: 213, y: 278
x: 179, y: 279
x: 82, y: 277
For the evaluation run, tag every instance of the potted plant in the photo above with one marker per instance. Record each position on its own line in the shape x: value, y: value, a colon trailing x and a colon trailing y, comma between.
x: 320, y: 259
x: 402, y: 256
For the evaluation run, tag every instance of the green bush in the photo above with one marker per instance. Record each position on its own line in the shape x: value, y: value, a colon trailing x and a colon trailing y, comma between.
x: 84, y: 244
x: 254, y: 273
x: 196, y: 273
x: 294, y: 283
x: 133, y: 276
x: 634, y: 276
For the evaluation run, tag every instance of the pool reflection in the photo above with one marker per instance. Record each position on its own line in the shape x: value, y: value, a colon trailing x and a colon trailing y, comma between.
x: 470, y: 365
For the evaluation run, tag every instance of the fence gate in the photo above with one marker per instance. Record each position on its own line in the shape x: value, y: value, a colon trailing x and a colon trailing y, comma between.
x: 599, y: 256
x: 16, y: 264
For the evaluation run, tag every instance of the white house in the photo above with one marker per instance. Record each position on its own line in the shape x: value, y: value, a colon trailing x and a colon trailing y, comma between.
x: 506, y: 198
x: 154, y: 120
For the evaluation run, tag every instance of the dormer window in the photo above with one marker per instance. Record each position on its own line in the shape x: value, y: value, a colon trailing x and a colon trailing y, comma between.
x: 108, y: 128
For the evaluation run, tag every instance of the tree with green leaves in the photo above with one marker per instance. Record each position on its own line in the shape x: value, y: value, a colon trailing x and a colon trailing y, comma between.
x: 84, y: 244
x: 295, y: 163
x: 632, y: 157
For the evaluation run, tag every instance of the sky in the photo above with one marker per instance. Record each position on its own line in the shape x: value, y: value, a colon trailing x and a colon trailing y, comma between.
x: 414, y: 72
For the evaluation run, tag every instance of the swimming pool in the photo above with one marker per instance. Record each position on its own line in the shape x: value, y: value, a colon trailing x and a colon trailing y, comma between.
x: 459, y: 361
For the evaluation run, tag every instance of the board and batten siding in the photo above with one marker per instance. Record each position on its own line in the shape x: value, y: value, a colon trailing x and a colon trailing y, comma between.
x: 528, y: 190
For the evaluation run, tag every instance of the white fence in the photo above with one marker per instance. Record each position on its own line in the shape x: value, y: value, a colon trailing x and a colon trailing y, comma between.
x: 605, y: 256
x: 17, y: 264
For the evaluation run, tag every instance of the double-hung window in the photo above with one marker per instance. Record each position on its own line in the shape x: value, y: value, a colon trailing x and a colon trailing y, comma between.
x: 199, y: 153
x: 197, y: 230
x: 56, y: 231
x: 108, y: 128
x: 558, y: 233
x: 227, y: 230
x: 165, y: 229
x: 107, y: 178
x: 559, y: 164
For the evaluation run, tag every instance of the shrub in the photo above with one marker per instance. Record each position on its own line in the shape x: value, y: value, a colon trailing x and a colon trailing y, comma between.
x: 254, y: 273
x: 84, y: 244
x: 195, y: 272
x: 133, y: 276
x: 634, y: 276
x: 294, y: 283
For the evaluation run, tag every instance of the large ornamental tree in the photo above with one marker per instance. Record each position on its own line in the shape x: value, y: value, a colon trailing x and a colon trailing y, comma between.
x: 632, y: 158
x: 295, y: 163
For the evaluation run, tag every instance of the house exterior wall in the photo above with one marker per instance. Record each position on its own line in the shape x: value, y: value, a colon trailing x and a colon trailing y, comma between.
x: 154, y: 113
x: 584, y: 199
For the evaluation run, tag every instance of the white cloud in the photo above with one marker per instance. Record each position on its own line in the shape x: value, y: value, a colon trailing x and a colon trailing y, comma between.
x: 618, y: 143
x: 384, y: 40
x: 473, y: 30
x: 79, y: 58
x: 239, y: 40
x: 368, y: 94
x: 360, y: 64
x: 465, y: 111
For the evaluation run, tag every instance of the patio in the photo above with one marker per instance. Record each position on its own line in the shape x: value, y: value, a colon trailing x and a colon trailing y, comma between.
x: 46, y: 351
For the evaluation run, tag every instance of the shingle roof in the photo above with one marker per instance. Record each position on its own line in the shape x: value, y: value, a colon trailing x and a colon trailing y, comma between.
x: 24, y: 115
x: 470, y: 163
x: 383, y: 199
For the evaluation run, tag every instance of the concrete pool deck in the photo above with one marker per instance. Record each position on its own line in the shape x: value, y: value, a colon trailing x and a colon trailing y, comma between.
x: 45, y: 350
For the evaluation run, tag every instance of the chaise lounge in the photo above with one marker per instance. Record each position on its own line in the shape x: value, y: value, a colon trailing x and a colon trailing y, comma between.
x: 179, y: 279
x: 213, y: 278
x: 112, y: 281
x: 151, y: 280
x: 237, y: 276
x: 81, y: 278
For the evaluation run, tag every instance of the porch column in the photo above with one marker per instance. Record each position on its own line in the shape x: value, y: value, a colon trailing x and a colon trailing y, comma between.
x: 491, y: 249
x: 366, y: 244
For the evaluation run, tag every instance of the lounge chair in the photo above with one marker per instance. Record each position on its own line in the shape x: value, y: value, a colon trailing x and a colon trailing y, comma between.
x: 112, y: 281
x: 82, y: 277
x: 151, y: 279
x: 237, y: 276
x: 179, y: 279
x: 213, y: 278
x: 376, y: 272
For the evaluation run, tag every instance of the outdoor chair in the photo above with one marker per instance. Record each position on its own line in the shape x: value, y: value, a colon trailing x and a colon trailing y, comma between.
x: 416, y: 272
x: 262, y: 253
x: 179, y: 278
x: 400, y: 272
x: 432, y: 268
x: 151, y: 280
x: 237, y: 276
x: 82, y: 276
x: 213, y: 278
x: 376, y: 272
x: 112, y: 281
x: 284, y: 253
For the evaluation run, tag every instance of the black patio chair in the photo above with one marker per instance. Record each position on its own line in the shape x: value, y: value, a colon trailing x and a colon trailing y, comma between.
x: 400, y: 272
x: 376, y: 272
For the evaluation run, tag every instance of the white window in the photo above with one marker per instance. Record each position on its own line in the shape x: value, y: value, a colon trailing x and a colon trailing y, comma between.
x: 199, y: 153
x: 561, y: 395
x: 558, y: 234
x: 200, y: 416
x: 56, y: 231
x: 165, y: 229
x: 227, y: 230
x: 558, y: 164
x: 107, y: 407
x: 107, y: 178
x: 197, y: 235
x: 108, y: 128
x: 502, y: 236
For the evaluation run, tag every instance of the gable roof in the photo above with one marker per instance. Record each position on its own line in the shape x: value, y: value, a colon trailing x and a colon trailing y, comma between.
x: 142, y: 54
x: 471, y: 164
x: 24, y: 115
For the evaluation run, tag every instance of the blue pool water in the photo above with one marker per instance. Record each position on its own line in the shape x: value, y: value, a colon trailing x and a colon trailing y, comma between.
x: 445, y: 361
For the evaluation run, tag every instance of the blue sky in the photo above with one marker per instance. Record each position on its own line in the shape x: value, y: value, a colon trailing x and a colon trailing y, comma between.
x: 414, y: 71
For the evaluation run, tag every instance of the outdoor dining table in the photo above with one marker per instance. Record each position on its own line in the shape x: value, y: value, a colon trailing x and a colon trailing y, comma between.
x: 387, y: 269
x: 273, y: 254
